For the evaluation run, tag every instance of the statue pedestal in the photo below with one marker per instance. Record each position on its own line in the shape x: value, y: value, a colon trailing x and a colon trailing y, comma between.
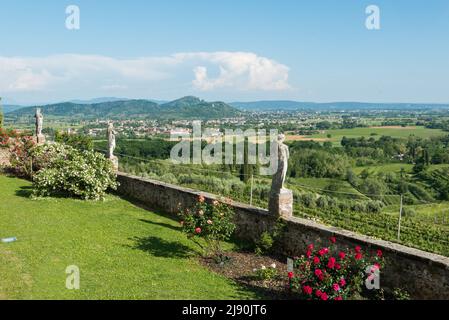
x: 114, y: 161
x: 281, y: 203
x: 39, y: 139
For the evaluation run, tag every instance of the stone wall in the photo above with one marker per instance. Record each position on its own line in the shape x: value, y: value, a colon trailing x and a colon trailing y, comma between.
x: 423, y: 275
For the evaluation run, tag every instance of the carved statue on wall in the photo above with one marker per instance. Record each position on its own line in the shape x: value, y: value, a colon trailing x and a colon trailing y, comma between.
x: 39, y: 122
x: 111, y: 140
x: 281, y: 199
x: 283, y: 156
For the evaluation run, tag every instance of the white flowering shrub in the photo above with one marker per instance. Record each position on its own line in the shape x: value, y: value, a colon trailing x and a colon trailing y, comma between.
x: 65, y: 171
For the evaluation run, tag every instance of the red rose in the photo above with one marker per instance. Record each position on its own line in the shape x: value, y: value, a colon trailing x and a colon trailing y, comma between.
x: 318, y: 293
x: 290, y: 275
x: 336, y: 287
x: 358, y: 249
x: 310, y: 247
x: 198, y: 230
x: 316, y: 260
x: 333, y: 239
x: 318, y: 273
x: 307, y: 290
x: 331, y: 263
x: 339, y: 298
x: 342, y: 282
x: 376, y: 265
x: 342, y: 255
x: 379, y: 253
x: 308, y: 254
x: 358, y: 256
x: 337, y: 266
x: 324, y: 296
x: 323, y: 251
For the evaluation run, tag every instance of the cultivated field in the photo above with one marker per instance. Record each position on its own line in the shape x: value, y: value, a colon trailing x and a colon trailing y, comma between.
x: 376, y: 132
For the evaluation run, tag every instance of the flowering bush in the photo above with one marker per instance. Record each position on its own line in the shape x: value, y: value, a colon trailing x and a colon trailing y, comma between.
x: 65, y: 171
x: 21, y: 156
x: 4, y: 139
x: 265, y: 273
x: 329, y: 274
x: 7, y: 137
x: 211, y: 221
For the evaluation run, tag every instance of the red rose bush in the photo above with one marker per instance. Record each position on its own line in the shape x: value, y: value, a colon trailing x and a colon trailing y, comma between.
x: 330, y: 274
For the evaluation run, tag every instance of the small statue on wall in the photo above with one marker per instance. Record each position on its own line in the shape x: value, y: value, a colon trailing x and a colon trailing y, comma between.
x: 281, y: 199
x: 40, y: 138
x: 111, y: 145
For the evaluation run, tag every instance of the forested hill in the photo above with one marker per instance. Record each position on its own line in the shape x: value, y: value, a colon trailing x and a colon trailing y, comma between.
x: 184, y: 108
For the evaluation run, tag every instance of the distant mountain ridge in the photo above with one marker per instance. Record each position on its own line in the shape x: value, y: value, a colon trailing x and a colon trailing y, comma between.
x: 184, y: 108
x: 9, y: 108
x: 288, y: 105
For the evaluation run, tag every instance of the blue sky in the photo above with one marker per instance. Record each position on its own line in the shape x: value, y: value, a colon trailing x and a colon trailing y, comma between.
x: 228, y: 50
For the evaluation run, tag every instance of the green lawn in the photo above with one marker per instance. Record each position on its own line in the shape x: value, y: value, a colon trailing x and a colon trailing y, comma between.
x: 338, y: 134
x: 123, y: 251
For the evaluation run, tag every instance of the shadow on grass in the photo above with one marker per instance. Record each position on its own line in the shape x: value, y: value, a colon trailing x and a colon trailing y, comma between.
x: 162, y: 248
x: 24, y: 192
x: 161, y: 224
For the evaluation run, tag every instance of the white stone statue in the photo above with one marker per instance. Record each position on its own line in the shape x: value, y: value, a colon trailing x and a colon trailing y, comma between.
x: 281, y: 199
x: 39, y: 122
x: 111, y: 140
x: 40, y: 138
x: 112, y: 145
x: 283, y: 156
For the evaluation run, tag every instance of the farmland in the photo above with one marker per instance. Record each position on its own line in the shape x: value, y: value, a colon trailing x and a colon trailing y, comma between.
x: 335, y: 135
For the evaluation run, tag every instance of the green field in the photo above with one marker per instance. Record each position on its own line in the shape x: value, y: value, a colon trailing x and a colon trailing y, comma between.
x: 123, y: 251
x: 399, y: 132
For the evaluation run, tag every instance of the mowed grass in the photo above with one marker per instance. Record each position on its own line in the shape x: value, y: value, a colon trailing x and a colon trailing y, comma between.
x: 122, y: 251
x: 377, y: 132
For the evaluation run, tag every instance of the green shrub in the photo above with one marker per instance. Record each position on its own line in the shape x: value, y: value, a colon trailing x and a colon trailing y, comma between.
x: 322, y: 202
x: 72, y: 173
x: 374, y: 206
x: 358, y: 207
x: 265, y: 273
x: 212, y: 222
x: 308, y: 200
x: 264, y: 244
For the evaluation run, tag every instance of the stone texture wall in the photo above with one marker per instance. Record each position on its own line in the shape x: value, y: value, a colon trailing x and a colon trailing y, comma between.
x: 423, y: 275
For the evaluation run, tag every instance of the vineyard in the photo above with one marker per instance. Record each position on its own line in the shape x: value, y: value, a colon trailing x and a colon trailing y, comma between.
x: 382, y: 225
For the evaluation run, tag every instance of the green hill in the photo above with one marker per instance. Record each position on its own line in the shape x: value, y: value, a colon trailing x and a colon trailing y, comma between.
x: 184, y: 108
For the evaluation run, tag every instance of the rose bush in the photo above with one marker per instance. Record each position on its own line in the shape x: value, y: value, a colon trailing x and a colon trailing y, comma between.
x: 21, y: 158
x: 4, y: 139
x: 329, y: 274
x: 211, y: 221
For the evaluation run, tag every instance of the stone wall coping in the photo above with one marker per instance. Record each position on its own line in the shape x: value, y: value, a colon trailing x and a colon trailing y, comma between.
x: 362, y: 239
x: 239, y: 205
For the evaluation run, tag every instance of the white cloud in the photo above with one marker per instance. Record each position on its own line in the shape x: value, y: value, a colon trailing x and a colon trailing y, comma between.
x: 238, y: 70
x: 71, y: 74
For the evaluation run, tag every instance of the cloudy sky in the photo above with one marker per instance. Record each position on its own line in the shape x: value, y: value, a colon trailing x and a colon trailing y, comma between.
x: 234, y: 50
